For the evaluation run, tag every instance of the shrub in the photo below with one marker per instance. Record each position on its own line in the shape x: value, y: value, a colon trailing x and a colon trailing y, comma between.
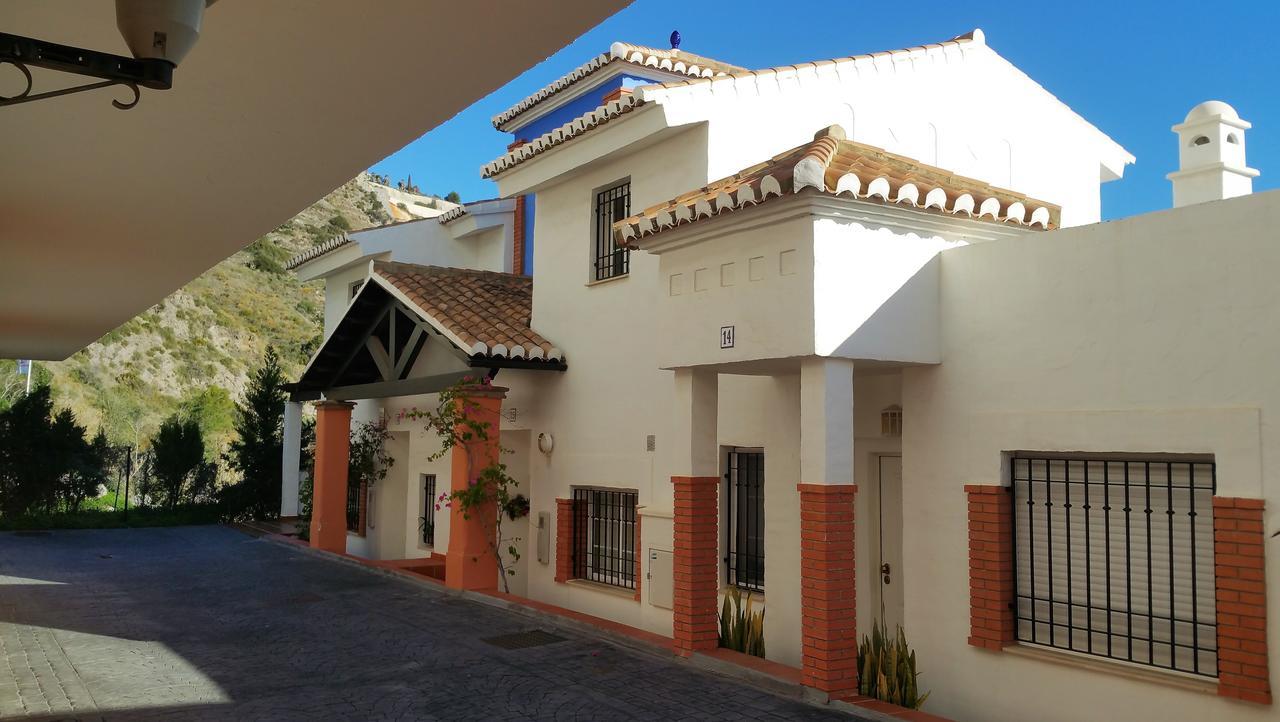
x: 741, y: 629
x: 889, y: 668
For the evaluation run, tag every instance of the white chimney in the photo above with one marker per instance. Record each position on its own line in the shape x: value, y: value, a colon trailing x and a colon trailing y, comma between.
x: 1211, y: 156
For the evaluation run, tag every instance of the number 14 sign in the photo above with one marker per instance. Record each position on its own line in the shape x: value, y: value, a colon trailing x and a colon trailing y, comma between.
x: 726, y: 337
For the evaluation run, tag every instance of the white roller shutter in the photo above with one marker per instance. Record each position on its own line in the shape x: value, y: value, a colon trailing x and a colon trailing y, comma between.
x: 1115, y: 557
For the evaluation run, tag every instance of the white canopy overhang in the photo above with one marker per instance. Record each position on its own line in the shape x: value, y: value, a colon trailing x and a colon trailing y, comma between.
x: 104, y: 212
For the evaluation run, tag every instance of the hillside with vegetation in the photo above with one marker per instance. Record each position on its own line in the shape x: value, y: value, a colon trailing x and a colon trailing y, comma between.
x: 192, y: 352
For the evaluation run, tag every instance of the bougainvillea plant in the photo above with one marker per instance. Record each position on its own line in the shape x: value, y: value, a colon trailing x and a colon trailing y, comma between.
x: 490, y: 489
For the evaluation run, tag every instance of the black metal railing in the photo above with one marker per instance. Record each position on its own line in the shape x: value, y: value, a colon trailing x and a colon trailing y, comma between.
x: 604, y: 541
x: 1114, y: 557
x: 745, y: 524
x: 429, y: 509
x: 353, y: 507
x: 612, y: 204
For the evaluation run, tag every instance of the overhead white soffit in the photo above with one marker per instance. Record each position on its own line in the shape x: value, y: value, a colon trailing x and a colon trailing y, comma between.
x: 104, y: 212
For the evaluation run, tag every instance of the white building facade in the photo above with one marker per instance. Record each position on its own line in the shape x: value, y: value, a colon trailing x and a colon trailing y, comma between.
x: 781, y: 320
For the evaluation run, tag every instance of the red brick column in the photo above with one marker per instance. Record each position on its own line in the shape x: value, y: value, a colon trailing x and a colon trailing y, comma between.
x: 829, y: 658
x: 329, y: 483
x: 469, y: 563
x: 697, y: 567
x: 991, y: 588
x: 1238, y: 541
x: 564, y: 540
x: 517, y: 238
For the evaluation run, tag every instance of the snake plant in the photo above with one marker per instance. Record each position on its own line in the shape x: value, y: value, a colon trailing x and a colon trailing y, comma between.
x: 888, y: 668
x: 741, y: 629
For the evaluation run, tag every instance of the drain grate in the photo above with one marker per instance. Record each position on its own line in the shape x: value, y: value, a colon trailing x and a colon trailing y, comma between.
x: 524, y: 640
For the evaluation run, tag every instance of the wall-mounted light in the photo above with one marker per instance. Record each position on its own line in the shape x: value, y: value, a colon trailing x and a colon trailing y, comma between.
x: 546, y: 443
x: 159, y: 33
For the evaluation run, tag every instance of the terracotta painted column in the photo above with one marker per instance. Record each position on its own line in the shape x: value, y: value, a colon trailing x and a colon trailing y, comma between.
x: 469, y: 563
x: 329, y: 488
x: 828, y: 623
x: 696, y: 541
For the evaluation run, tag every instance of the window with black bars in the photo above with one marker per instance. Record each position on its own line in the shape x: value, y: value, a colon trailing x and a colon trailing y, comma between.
x: 429, y: 509
x: 353, y: 507
x: 1114, y: 558
x: 612, y: 204
x: 604, y: 542
x: 745, y: 522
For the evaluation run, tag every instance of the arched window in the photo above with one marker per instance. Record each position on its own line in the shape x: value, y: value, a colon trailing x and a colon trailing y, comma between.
x: 891, y: 421
x: 1231, y: 138
x: 1200, y: 140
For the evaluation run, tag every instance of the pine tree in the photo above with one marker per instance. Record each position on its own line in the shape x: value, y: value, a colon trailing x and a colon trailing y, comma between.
x: 256, y: 452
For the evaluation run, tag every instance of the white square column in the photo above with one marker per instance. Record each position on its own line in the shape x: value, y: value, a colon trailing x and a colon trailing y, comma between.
x: 694, y: 429
x: 826, y: 421
x: 291, y: 459
x: 829, y: 656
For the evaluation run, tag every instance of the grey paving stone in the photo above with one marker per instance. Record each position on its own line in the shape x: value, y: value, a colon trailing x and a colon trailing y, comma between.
x: 205, y: 623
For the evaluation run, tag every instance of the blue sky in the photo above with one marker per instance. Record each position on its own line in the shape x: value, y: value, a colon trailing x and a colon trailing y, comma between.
x: 1131, y: 67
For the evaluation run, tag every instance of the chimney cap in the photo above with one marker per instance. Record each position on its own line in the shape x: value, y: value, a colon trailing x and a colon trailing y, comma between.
x: 1211, y: 110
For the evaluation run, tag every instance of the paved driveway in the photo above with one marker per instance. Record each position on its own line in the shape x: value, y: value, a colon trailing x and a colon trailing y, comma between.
x: 208, y: 623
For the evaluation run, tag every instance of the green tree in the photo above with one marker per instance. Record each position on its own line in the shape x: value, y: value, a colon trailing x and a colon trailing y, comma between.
x: 256, y: 451
x: 453, y: 197
x: 178, y: 450
x: 91, y: 462
x: 214, y: 410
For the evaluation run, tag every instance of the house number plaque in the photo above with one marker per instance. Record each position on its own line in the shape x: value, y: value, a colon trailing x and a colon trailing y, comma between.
x: 726, y: 337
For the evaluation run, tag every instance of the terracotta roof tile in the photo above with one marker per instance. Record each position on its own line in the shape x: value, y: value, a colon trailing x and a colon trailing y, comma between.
x: 485, y: 312
x: 832, y: 165
x: 618, y: 108
x: 315, y: 252
x: 671, y: 61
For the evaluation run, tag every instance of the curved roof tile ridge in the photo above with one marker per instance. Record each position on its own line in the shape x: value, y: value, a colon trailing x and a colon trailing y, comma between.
x: 832, y: 165
x: 627, y: 103
x: 672, y: 61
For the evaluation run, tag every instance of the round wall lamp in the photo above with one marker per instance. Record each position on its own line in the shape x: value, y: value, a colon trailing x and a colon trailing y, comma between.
x: 546, y: 442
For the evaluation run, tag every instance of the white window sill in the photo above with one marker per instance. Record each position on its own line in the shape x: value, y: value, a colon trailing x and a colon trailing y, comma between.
x: 1117, y: 668
x: 603, y: 281
x: 603, y: 588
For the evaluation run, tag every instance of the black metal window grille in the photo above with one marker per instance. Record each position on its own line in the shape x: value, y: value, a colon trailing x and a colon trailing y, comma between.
x: 429, y: 509
x: 612, y: 204
x: 604, y: 542
x: 1114, y: 558
x: 353, y: 507
x: 745, y: 525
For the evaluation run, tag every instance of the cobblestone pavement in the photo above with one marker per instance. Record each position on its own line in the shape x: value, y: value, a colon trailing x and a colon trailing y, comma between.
x: 205, y: 623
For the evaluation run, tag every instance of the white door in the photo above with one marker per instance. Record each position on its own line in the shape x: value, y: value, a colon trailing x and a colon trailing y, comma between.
x: 889, y: 541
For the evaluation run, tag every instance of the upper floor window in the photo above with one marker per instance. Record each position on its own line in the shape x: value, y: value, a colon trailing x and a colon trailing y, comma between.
x: 354, y: 288
x: 612, y: 204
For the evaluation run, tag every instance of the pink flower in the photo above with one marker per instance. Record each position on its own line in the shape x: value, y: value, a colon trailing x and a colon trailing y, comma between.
x: 437, y: 507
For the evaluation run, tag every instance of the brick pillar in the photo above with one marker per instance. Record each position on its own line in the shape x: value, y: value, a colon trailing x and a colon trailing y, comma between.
x: 469, y: 563
x: 828, y: 625
x: 694, y: 626
x: 991, y: 591
x: 564, y: 540
x: 517, y: 238
x: 1238, y: 541
x: 329, y: 487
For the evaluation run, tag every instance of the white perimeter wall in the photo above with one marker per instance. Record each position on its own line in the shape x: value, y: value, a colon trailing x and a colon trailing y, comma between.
x: 1158, y: 333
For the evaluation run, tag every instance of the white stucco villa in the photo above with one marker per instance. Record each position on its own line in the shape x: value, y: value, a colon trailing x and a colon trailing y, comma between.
x: 754, y: 324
